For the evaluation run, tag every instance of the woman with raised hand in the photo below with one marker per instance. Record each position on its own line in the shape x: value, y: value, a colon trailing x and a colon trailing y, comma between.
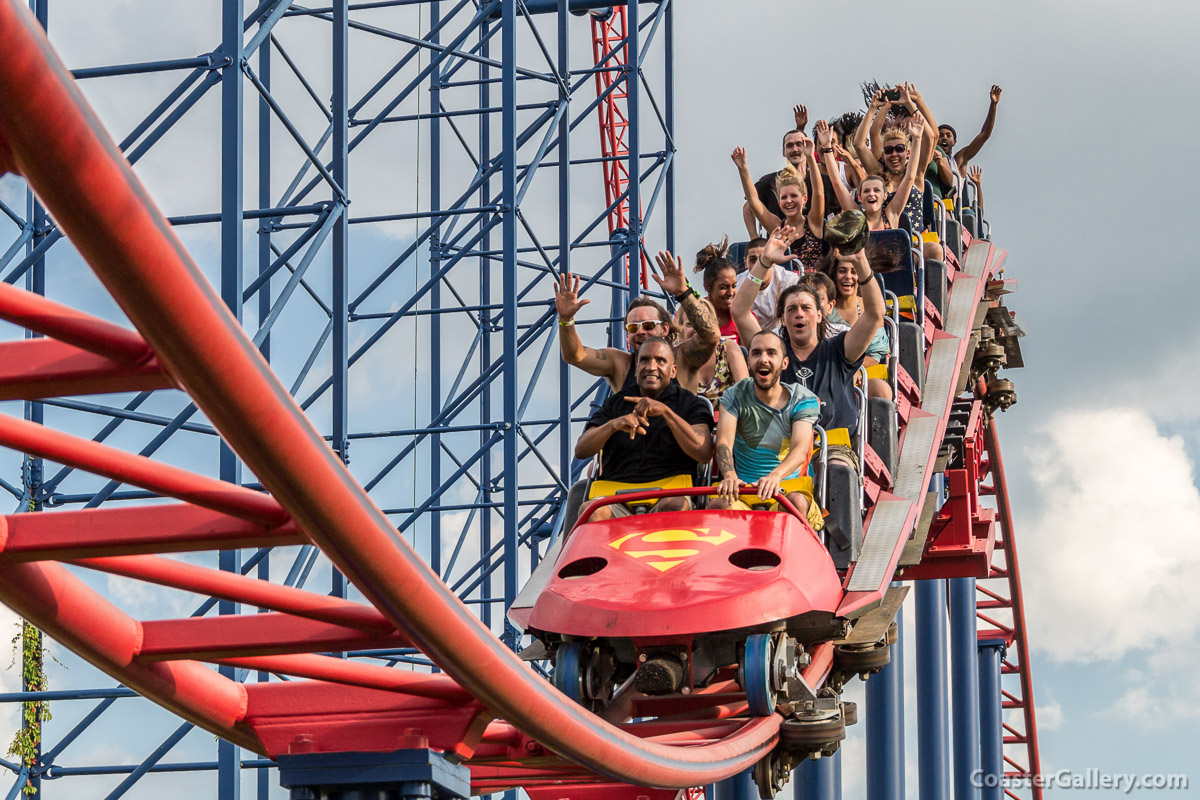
x: 871, y: 193
x: 792, y: 199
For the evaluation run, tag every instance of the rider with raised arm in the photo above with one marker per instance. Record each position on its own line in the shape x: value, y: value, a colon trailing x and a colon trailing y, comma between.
x: 825, y: 367
x: 644, y: 319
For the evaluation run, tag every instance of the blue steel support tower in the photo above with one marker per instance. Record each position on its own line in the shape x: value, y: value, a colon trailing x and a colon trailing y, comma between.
x: 387, y: 226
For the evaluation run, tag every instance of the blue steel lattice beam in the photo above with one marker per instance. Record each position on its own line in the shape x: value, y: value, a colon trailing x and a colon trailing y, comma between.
x: 490, y: 227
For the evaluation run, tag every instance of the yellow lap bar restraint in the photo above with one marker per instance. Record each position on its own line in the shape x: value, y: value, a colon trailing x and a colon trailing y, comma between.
x: 803, y: 485
x: 876, y: 371
x: 612, y: 488
x: 908, y: 302
x: 839, y: 436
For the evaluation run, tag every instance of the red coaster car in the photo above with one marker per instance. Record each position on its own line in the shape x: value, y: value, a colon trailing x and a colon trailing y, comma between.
x: 668, y: 599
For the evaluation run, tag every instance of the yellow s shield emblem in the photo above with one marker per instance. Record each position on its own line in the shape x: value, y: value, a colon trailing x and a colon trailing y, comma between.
x: 675, y: 545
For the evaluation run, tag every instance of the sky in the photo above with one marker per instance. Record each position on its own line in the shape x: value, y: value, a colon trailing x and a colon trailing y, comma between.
x: 1102, y: 446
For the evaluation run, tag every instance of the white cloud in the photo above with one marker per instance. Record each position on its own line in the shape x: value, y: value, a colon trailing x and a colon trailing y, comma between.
x: 1165, y: 694
x: 1110, y: 557
x: 1049, y: 712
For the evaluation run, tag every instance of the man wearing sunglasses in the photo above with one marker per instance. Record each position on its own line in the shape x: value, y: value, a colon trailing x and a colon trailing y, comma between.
x: 644, y: 320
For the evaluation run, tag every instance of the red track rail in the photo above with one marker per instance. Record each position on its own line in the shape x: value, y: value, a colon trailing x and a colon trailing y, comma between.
x: 187, y: 339
x: 1016, y: 660
x: 51, y: 136
x: 611, y: 57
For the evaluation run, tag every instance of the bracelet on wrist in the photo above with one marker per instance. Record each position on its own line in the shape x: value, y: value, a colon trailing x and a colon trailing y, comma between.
x: 750, y: 277
x: 566, y: 323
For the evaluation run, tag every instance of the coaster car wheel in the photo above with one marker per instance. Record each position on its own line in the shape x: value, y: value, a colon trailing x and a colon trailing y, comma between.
x: 756, y: 674
x: 569, y: 670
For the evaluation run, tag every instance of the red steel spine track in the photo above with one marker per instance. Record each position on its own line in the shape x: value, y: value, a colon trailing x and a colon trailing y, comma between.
x: 611, y: 56
x: 53, y: 138
x: 1016, y: 634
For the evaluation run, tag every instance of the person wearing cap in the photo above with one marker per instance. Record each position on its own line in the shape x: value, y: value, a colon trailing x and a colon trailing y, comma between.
x: 644, y: 319
x: 825, y: 367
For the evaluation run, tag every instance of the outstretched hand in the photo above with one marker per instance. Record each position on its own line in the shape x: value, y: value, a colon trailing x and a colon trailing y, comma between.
x: 975, y: 175
x: 916, y: 128
x: 995, y: 94
x: 566, y: 296
x: 777, y: 244
x: 739, y: 157
x: 673, y: 280
x: 801, y: 115
x: 824, y: 134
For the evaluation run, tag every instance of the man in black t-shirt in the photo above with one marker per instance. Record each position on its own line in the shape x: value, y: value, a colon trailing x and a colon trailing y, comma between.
x: 650, y: 431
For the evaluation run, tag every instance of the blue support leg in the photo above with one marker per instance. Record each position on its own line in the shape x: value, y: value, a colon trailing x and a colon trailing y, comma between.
x: 964, y: 664
x: 508, y: 39
x: 632, y: 100
x: 885, y: 727
x: 739, y: 787
x: 991, y: 721
x: 565, y: 453
x: 820, y: 779
x: 932, y: 734
x: 232, y: 216
x: 435, y: 292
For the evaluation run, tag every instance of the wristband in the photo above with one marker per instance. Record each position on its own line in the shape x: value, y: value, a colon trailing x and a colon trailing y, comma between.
x: 826, y: 149
x: 566, y: 323
x: 679, y: 298
x: 753, y: 279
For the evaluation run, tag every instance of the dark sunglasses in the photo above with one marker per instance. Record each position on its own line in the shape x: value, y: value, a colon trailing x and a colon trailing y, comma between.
x: 646, y: 325
x: 894, y: 148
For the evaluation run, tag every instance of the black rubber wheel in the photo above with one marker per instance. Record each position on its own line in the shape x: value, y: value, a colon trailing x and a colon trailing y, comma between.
x: 812, y: 736
x: 862, y: 659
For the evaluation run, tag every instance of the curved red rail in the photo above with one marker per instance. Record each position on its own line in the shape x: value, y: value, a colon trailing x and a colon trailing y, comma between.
x: 52, y: 137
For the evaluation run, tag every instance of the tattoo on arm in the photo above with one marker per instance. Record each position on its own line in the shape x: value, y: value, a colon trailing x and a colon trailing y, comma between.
x: 725, y: 460
x: 696, y: 351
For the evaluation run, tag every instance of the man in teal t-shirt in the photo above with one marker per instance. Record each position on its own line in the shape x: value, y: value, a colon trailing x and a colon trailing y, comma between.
x: 765, y: 431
